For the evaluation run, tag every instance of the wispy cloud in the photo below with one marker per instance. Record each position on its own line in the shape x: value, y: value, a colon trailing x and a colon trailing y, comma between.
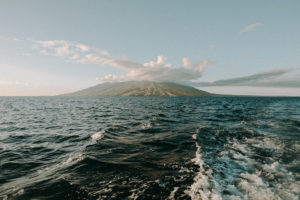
x: 250, y: 27
x: 15, y: 83
x: 8, y: 38
x: 270, y: 78
x: 158, y: 70
x: 63, y: 48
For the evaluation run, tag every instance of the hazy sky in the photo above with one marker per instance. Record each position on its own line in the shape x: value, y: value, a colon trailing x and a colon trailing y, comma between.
x: 232, y: 47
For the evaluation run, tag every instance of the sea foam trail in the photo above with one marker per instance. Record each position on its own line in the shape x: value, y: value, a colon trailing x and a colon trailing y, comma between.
x: 201, y: 188
x: 252, y: 179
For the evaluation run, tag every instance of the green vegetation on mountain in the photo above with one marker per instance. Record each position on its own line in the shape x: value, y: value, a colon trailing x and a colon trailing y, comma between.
x: 140, y: 88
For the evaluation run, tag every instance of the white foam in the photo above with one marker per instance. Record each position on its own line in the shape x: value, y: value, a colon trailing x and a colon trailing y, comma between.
x: 20, y: 192
x: 98, y: 136
x: 254, y: 188
x: 184, y: 169
x: 194, y: 136
x: 202, y: 188
x: 172, y: 194
x: 198, y: 157
x: 235, y: 194
x: 136, y: 193
x: 257, y: 185
x: 242, y: 148
x: 73, y: 159
x: 146, y: 125
x: 252, y: 178
x: 270, y: 179
x: 265, y: 143
x: 272, y: 167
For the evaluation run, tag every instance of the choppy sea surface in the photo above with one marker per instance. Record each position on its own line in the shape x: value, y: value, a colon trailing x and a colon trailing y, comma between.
x: 149, y: 148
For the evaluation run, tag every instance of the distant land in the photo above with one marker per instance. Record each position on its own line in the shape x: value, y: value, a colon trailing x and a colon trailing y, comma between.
x: 140, y: 88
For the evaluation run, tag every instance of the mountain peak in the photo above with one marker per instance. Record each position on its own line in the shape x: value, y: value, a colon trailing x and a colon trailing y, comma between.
x: 140, y: 88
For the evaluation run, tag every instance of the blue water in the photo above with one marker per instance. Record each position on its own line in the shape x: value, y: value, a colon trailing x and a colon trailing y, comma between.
x: 149, y: 148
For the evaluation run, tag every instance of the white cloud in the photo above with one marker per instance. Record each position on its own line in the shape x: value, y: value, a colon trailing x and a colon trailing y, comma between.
x: 15, y: 83
x: 158, y: 70
x: 83, y: 47
x: 8, y: 38
x: 253, y: 90
x: 63, y: 48
x: 272, y: 78
x: 105, y: 53
x: 250, y: 27
x: 75, y: 57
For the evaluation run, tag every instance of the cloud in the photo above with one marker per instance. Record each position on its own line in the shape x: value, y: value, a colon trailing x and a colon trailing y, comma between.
x: 15, y: 83
x: 272, y: 78
x: 252, y: 90
x: 250, y: 27
x: 63, y: 48
x: 8, y: 38
x: 158, y: 70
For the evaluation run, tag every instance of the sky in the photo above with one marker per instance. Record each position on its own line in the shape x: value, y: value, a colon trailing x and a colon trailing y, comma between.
x: 227, y: 47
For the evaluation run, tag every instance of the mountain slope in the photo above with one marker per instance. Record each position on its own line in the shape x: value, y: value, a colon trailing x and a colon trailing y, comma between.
x: 139, y: 88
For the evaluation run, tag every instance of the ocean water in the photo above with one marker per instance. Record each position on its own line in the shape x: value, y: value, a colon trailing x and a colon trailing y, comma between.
x: 149, y: 148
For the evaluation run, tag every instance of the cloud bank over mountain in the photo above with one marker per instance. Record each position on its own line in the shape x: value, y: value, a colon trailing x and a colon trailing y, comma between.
x: 158, y: 70
x: 272, y: 78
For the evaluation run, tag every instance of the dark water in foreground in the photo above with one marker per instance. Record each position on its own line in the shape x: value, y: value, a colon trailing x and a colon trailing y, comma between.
x: 149, y: 148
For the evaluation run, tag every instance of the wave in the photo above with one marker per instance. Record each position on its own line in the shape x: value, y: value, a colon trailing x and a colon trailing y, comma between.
x: 97, y: 136
x: 149, y: 148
